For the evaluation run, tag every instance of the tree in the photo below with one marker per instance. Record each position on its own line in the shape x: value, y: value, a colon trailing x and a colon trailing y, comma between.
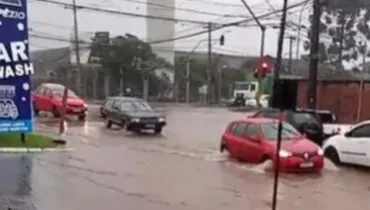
x: 132, y: 60
x: 345, y: 23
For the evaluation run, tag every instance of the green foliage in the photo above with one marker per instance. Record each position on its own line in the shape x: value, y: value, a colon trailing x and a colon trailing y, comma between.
x: 133, y: 59
x: 347, y: 19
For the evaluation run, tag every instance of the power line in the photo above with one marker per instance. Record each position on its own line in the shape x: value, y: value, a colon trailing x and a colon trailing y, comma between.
x: 186, y: 9
x: 236, y: 23
x: 115, y: 12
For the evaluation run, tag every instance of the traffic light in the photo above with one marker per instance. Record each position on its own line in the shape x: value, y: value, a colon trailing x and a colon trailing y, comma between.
x: 261, y: 71
x: 222, y: 40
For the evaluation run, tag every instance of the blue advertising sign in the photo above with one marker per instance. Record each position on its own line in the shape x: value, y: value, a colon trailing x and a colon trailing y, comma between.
x: 15, y: 68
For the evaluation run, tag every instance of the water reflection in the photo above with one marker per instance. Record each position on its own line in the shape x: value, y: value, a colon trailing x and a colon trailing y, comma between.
x: 15, y: 178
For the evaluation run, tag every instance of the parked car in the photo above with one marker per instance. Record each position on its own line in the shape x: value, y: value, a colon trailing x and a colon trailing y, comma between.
x: 305, y: 122
x: 134, y: 114
x: 48, y: 97
x: 254, y: 140
x: 351, y: 147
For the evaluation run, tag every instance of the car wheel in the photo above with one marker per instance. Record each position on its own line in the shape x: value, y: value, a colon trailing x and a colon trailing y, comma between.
x: 108, y: 123
x: 222, y: 148
x: 82, y: 117
x: 332, y: 154
x: 265, y: 158
x: 35, y: 110
x: 55, y: 112
x: 158, y: 130
x: 102, y: 115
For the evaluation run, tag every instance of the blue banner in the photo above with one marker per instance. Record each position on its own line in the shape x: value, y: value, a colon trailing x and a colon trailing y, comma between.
x: 15, y: 68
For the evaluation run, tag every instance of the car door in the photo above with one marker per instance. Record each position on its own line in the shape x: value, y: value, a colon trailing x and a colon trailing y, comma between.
x: 37, y: 97
x: 107, y: 107
x: 356, y: 147
x: 251, y: 144
x: 115, y: 113
x: 47, y: 99
x: 236, y: 141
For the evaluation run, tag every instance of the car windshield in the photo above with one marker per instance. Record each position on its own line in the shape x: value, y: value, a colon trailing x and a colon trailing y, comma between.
x: 301, y: 118
x: 135, y: 106
x: 59, y: 92
x: 242, y: 86
x: 270, y: 131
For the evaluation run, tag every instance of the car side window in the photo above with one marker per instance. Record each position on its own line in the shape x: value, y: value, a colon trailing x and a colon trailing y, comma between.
x: 239, y: 129
x: 251, y: 130
x: 273, y: 115
x: 115, y: 104
x: 47, y: 92
x: 261, y: 114
x: 362, y: 131
x: 39, y: 90
x: 108, y: 104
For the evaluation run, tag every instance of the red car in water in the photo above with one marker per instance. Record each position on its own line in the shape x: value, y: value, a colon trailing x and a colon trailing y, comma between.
x: 254, y: 140
x: 48, y: 97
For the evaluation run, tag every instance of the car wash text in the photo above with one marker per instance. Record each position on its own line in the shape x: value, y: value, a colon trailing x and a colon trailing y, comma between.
x: 16, y: 52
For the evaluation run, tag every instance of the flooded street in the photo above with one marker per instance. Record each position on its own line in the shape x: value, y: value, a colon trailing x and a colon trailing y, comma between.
x: 181, y: 169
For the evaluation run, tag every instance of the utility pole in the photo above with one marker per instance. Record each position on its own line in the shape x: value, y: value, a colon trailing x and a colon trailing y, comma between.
x: 77, y: 50
x: 277, y: 90
x: 314, y: 55
x: 361, y: 88
x: 262, y: 49
x: 291, y: 39
x: 188, y: 81
x: 209, y: 72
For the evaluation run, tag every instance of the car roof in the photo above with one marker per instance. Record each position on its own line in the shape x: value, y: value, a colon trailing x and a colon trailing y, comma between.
x: 52, y: 85
x: 257, y: 120
x: 123, y: 98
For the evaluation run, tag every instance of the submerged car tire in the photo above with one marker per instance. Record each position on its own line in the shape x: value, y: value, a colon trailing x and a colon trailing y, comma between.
x: 82, y: 117
x: 55, y: 112
x: 158, y: 130
x: 332, y: 154
x: 108, y: 123
x: 222, y: 148
x: 35, y: 110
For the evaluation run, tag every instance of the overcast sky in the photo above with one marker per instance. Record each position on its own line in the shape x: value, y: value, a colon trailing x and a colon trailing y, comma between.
x: 56, y: 21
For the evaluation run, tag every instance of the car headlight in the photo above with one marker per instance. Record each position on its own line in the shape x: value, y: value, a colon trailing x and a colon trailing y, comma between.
x: 284, y: 154
x: 320, y: 151
x: 85, y: 106
x: 135, y: 120
x: 161, y: 119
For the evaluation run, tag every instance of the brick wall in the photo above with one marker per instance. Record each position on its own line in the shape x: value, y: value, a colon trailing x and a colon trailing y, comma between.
x: 340, y: 97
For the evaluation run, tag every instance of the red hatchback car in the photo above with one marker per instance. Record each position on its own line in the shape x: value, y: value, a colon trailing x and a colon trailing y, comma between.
x: 254, y: 140
x: 48, y: 97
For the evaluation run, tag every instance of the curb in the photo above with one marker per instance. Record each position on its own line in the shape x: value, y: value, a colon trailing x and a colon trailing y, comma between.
x: 34, y: 150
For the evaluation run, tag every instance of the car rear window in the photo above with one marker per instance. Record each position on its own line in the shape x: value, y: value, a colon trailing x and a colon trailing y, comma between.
x: 300, y: 118
x: 326, y: 117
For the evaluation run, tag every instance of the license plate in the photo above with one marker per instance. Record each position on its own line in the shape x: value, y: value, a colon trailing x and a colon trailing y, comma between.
x: 77, y: 110
x: 306, y: 165
x: 150, y: 125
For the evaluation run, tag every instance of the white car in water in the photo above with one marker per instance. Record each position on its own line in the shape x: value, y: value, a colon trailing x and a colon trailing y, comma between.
x: 350, y: 147
x: 264, y: 101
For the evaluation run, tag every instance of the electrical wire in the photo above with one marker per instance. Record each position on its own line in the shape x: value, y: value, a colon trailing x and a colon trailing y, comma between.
x: 235, y: 23
x: 185, y: 9
x: 116, y: 12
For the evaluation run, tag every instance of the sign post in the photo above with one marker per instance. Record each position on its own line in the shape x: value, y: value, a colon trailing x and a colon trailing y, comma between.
x: 15, y: 69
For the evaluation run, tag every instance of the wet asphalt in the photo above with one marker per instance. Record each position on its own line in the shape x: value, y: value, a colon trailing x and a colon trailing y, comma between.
x: 181, y: 169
